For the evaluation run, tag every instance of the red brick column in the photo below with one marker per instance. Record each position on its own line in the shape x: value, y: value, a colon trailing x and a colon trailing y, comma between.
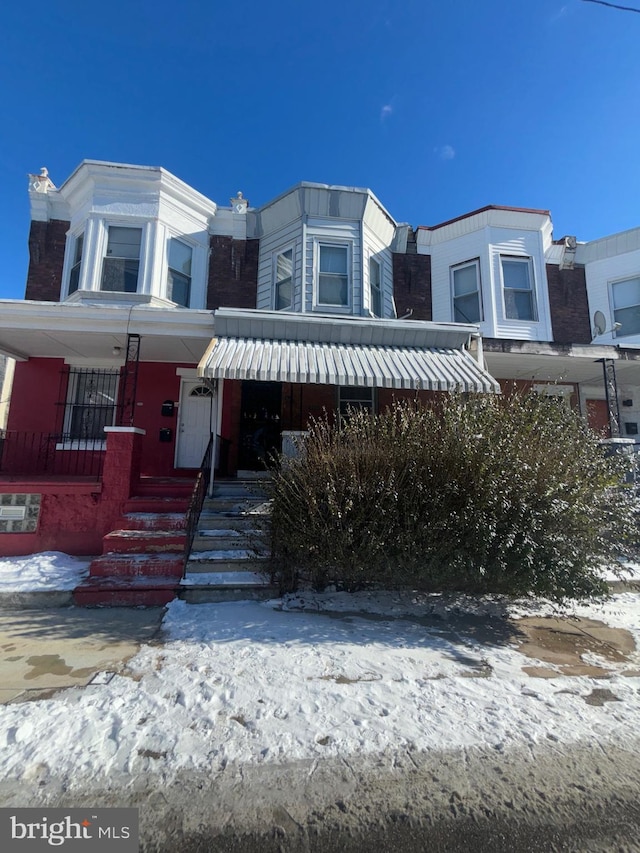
x: 121, y: 469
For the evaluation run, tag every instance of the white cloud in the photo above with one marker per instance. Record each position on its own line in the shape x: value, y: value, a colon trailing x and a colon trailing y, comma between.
x: 561, y: 12
x: 445, y: 152
x: 385, y: 112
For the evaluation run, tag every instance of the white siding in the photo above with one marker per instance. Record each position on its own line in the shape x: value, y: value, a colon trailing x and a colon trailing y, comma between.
x: 487, y: 244
x: 289, y: 236
x: 600, y: 274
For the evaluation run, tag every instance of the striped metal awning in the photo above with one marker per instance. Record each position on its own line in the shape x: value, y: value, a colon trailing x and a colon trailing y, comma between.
x: 331, y: 363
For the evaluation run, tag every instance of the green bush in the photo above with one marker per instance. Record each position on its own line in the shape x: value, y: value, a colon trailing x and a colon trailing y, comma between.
x: 508, y: 495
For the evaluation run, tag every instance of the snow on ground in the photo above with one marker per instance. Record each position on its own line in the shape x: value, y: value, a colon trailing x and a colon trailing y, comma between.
x: 49, y: 570
x: 314, y: 676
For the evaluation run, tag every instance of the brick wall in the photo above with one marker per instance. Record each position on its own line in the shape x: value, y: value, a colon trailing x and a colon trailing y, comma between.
x: 569, y: 305
x: 233, y: 273
x: 412, y: 285
x: 46, y: 257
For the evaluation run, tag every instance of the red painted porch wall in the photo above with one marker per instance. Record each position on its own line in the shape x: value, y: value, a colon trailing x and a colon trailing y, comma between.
x: 37, y: 391
x: 157, y: 383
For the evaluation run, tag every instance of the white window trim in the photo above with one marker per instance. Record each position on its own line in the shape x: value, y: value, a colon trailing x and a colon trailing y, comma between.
x: 619, y: 333
x: 102, y: 242
x: 274, y: 272
x: 321, y: 306
x: 471, y: 262
x: 533, y: 290
x: 69, y: 254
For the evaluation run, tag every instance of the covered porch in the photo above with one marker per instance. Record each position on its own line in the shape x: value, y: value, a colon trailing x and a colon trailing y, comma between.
x: 276, y: 370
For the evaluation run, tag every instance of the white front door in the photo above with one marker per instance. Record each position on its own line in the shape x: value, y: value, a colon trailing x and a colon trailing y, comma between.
x: 196, y: 420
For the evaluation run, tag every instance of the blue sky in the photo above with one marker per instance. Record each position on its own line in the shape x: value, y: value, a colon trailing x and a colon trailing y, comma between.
x: 438, y: 107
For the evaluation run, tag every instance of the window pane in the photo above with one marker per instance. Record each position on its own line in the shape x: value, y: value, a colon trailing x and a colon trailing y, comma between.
x: 333, y: 290
x: 516, y: 274
x: 124, y: 242
x: 465, y: 280
x: 284, y: 265
x: 629, y: 319
x: 77, y: 256
x: 626, y: 293
x: 283, y: 295
x: 74, y: 275
x: 178, y: 288
x: 374, y: 283
x: 119, y: 274
x: 518, y: 305
x: 333, y: 259
x: 466, y: 309
x: 93, y: 404
x: 376, y: 302
x: 180, y: 257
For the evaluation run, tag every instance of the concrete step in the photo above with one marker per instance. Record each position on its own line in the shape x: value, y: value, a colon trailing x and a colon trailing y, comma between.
x: 234, y: 504
x: 151, y: 504
x: 238, y: 488
x: 137, y: 565
x: 154, y: 521
x: 143, y: 541
x: 126, y: 592
x: 226, y: 539
x: 232, y: 520
x: 226, y: 586
x: 217, y: 560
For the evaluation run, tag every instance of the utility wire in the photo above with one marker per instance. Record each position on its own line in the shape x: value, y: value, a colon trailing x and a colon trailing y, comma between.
x: 614, y: 6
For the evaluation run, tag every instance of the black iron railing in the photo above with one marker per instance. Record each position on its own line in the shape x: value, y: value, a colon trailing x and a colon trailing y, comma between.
x: 50, y: 454
x: 198, y: 495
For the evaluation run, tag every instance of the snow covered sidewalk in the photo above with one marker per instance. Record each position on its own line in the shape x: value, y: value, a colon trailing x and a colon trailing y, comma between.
x: 329, y: 676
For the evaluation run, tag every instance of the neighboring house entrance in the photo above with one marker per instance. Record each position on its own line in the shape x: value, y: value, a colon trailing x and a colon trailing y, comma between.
x: 260, y: 426
x: 196, y: 422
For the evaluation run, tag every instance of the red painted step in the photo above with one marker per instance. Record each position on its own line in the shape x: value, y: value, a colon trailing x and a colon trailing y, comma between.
x: 143, y: 541
x: 154, y: 521
x: 157, y: 504
x: 126, y: 592
x: 164, y: 487
x: 137, y: 566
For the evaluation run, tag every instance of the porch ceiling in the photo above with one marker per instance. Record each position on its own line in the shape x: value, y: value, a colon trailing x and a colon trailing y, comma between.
x: 54, y: 330
x: 322, y: 363
x: 552, y: 367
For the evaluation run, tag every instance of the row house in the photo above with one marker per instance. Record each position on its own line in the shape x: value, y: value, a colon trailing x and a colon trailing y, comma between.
x: 155, y: 319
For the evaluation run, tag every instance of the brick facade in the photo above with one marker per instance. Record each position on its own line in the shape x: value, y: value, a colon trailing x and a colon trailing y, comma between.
x: 412, y: 285
x: 46, y: 258
x: 569, y: 305
x: 233, y: 273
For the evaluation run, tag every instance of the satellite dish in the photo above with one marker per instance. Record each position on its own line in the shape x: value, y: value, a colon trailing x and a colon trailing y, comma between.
x: 599, y: 323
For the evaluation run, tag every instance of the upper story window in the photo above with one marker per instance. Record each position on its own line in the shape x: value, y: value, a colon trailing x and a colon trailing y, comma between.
x: 179, y: 273
x: 625, y: 297
x: 517, y: 282
x: 121, y: 264
x: 74, y: 274
x: 333, y: 275
x: 465, y: 286
x: 284, y: 280
x: 375, y: 285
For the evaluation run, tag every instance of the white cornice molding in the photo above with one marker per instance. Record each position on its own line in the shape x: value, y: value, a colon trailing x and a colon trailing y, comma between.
x: 494, y: 218
x: 122, y: 179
